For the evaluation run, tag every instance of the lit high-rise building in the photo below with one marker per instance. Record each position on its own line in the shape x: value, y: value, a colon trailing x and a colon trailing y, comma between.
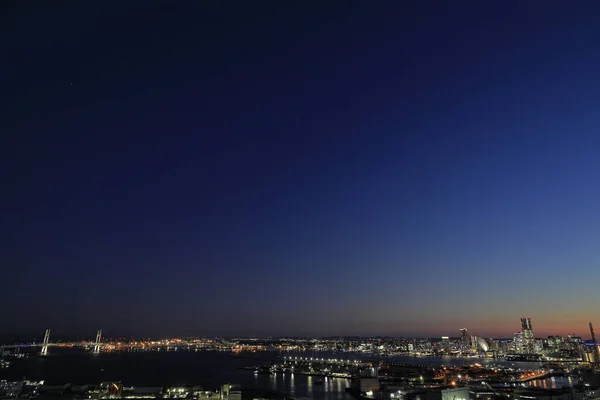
x: 517, y: 345
x: 464, y: 340
x: 528, y: 338
x: 526, y: 324
x: 474, y: 343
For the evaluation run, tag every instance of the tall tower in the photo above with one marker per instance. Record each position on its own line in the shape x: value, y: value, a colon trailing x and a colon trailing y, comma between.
x: 45, y: 343
x: 596, y: 351
x: 464, y: 340
x: 526, y: 324
x: 98, y: 339
x: 528, y: 338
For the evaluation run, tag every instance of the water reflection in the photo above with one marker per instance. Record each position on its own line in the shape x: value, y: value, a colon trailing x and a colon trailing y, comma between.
x: 556, y: 382
x: 301, y: 386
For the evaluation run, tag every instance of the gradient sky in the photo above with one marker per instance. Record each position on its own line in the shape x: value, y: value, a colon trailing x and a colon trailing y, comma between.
x: 343, y: 167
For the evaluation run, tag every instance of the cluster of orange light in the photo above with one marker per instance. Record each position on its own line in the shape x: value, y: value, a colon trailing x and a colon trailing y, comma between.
x: 531, y: 374
x: 239, y: 347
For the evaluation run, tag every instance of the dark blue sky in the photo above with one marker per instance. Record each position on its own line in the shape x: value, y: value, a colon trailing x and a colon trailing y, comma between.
x: 340, y: 167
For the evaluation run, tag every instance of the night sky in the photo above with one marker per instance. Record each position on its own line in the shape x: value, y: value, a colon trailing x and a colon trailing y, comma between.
x: 299, y: 167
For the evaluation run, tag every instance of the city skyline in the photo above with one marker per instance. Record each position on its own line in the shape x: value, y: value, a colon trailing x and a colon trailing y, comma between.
x: 523, y: 346
x: 456, y: 335
x: 341, y: 168
x: 464, y: 338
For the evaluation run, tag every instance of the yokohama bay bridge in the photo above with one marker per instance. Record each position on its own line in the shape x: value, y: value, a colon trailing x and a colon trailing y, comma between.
x: 46, y: 344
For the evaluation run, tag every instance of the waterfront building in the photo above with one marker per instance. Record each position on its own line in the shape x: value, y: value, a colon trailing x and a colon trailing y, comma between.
x: 538, y: 346
x: 528, y: 338
x: 446, y: 344
x: 464, y: 340
x: 478, y: 344
x: 517, y: 345
x: 501, y: 346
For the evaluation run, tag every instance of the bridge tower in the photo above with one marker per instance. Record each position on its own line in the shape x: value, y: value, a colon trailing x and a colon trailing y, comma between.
x: 45, y: 343
x: 98, y: 339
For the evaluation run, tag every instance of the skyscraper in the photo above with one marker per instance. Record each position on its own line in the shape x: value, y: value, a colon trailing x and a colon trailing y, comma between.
x: 464, y: 341
x: 528, y: 338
